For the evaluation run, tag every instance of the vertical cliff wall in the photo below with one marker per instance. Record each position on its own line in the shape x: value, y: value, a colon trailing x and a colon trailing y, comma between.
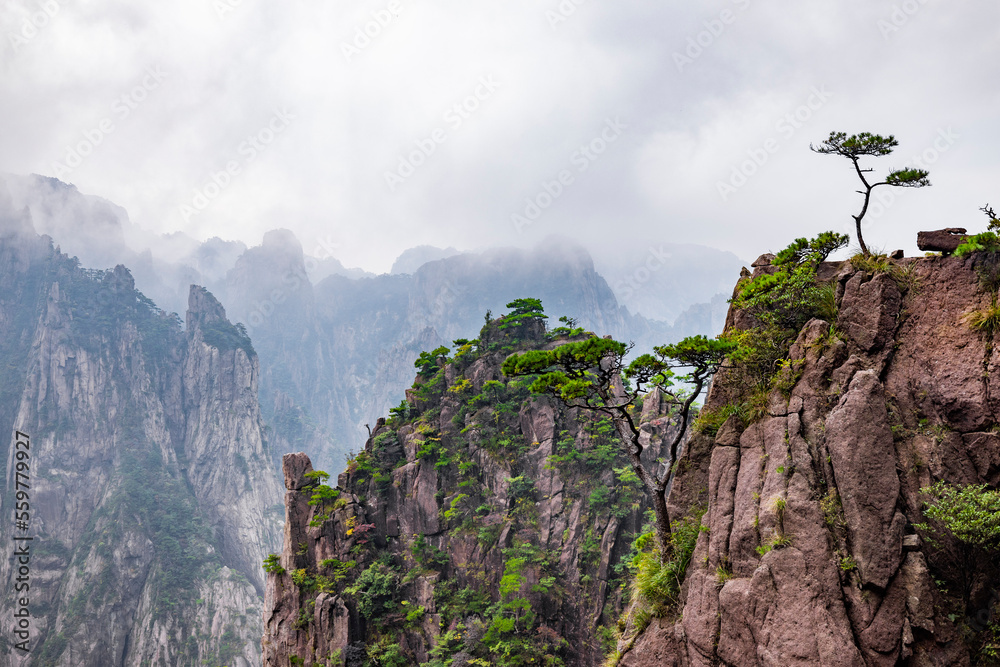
x: 479, y: 521
x: 150, y: 485
x: 810, y: 554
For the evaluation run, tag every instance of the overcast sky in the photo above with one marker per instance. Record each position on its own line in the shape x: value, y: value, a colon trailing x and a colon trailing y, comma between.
x: 663, y: 122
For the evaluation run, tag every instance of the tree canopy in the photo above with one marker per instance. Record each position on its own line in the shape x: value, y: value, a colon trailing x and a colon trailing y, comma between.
x: 856, y: 146
x: 522, y: 310
x: 591, y: 374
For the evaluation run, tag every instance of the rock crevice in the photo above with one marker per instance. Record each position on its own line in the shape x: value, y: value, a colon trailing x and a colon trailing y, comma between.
x: 890, y: 398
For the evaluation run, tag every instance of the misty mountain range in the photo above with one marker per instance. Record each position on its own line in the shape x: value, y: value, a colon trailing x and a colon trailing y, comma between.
x: 337, y: 344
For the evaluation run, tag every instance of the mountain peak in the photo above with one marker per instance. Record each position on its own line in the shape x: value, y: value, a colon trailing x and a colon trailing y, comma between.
x: 203, y: 307
x: 413, y: 258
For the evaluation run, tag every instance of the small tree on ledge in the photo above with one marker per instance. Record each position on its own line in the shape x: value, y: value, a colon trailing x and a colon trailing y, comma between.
x: 591, y: 374
x: 857, y: 145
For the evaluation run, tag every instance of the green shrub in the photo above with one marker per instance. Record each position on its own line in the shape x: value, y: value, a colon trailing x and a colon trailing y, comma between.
x: 777, y: 542
x: 455, y: 510
x: 814, y: 251
x: 415, y: 615
x: 272, y: 564
x: 427, y: 555
x: 847, y: 563
x: 781, y: 301
x: 657, y: 584
x: 522, y: 311
x: 225, y: 337
x: 305, y: 617
x: 985, y: 322
x: 984, y: 242
x: 971, y: 513
x: 710, y: 421
x: 323, y: 493
x: 374, y: 591
x: 521, y: 488
x: 790, y: 296
x: 387, y: 653
x: 337, y: 568
x: 428, y: 363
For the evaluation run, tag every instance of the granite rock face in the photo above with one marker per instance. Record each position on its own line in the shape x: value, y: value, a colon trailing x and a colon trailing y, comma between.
x: 897, y: 393
x: 150, y: 484
x: 475, y: 483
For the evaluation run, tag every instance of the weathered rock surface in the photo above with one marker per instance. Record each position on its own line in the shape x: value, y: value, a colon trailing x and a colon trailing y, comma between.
x: 896, y: 394
x: 453, y: 496
x: 942, y: 240
x: 150, y: 484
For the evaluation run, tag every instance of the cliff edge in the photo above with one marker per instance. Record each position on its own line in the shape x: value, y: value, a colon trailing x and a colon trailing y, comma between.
x: 812, y: 550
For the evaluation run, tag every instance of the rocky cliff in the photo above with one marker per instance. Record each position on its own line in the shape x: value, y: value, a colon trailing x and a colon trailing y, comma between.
x: 814, y: 550
x: 337, y: 345
x: 338, y: 354
x: 480, y: 525
x: 150, y: 485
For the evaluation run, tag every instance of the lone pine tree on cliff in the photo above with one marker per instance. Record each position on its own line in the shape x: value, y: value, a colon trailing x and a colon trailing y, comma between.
x: 591, y: 374
x: 856, y: 146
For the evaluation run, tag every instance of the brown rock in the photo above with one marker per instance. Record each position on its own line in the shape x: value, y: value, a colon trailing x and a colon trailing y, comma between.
x: 861, y: 449
x: 826, y: 470
x: 763, y: 260
x: 868, y: 311
x: 295, y: 466
x: 721, y: 490
x: 659, y: 646
x: 783, y: 616
x: 701, y: 609
x: 881, y: 641
x: 937, y: 369
x: 984, y: 451
x: 943, y: 240
x: 729, y: 433
x: 917, y: 581
x: 745, y: 537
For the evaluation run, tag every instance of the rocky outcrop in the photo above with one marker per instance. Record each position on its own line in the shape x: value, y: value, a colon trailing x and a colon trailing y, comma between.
x: 339, y: 353
x: 811, y: 554
x: 942, y: 240
x: 478, y: 518
x: 150, y: 484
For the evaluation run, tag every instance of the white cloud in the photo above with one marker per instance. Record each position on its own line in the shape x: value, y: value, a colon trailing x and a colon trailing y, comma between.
x: 354, y: 117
